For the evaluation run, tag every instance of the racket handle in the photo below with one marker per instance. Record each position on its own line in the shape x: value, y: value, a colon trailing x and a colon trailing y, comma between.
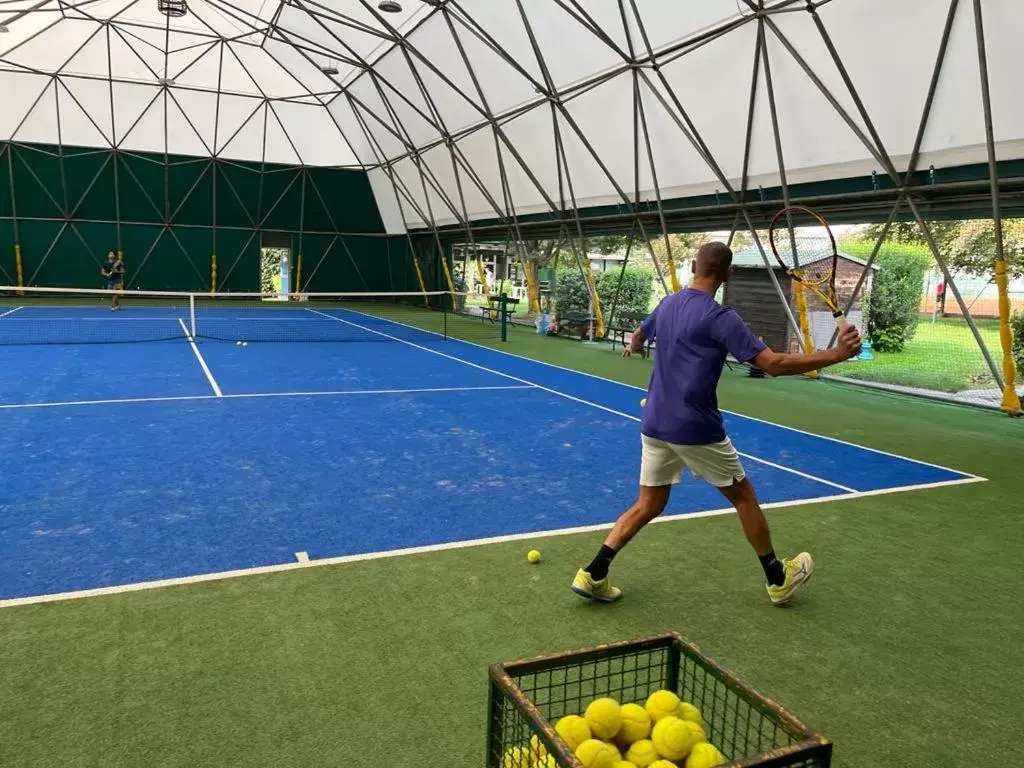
x: 840, y: 319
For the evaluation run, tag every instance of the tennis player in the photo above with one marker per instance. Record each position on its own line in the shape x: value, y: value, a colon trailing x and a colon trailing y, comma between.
x: 113, y: 273
x: 682, y: 426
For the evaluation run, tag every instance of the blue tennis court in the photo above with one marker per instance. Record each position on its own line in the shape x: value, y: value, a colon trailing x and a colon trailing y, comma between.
x: 128, y: 464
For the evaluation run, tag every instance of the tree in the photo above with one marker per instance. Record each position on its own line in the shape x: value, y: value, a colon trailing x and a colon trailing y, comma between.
x: 892, y: 305
x: 973, y: 249
x: 969, y: 246
x: 605, y: 244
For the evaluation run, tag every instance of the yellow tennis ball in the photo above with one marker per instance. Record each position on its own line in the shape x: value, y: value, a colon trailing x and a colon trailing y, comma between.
x: 661, y: 704
x: 517, y: 757
x: 533, y: 555
x: 643, y: 402
x: 623, y: 764
x: 674, y: 738
x: 704, y: 755
x: 642, y: 753
x: 597, y: 754
x: 636, y: 724
x: 573, y: 729
x: 537, y: 748
x: 604, y: 716
x: 686, y: 711
x: 662, y: 764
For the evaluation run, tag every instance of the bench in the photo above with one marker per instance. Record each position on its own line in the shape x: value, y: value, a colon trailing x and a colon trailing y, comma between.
x: 492, y: 311
x: 576, y: 324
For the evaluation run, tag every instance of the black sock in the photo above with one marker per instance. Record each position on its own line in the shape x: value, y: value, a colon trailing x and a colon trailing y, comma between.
x: 598, y: 568
x: 772, y: 569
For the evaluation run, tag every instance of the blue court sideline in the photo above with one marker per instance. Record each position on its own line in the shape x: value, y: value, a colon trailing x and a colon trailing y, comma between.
x: 334, y: 449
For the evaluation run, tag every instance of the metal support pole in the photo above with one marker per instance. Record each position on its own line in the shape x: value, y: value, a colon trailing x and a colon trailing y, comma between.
x: 1010, y: 400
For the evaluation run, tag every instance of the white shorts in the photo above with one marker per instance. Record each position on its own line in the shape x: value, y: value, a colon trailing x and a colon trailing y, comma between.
x: 663, y: 463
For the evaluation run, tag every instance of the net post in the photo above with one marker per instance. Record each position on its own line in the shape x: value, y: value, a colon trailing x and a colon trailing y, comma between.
x: 503, y: 300
x: 192, y: 314
x: 19, y: 268
x: 1011, y: 401
x: 805, y: 324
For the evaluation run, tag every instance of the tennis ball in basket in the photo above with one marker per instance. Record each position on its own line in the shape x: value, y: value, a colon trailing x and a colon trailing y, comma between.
x: 604, y: 716
x: 674, y: 738
x: 642, y: 753
x: 636, y: 724
x: 704, y: 755
x: 662, y: 764
x: 623, y: 764
x: 573, y: 729
x: 597, y: 754
x: 533, y: 555
x: 517, y: 757
x: 661, y: 704
x: 537, y: 748
x: 687, y: 711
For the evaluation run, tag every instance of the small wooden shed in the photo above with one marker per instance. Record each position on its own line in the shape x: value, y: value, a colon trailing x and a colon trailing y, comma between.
x: 752, y: 293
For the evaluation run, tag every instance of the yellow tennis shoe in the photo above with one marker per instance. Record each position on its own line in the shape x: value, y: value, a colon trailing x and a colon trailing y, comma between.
x: 798, y: 572
x: 602, y: 591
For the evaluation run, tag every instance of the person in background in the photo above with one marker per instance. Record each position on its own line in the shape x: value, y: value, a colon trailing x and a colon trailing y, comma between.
x: 113, y: 273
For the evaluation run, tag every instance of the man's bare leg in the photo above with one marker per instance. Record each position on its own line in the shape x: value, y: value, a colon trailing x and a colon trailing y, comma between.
x: 649, y: 504
x: 783, y: 578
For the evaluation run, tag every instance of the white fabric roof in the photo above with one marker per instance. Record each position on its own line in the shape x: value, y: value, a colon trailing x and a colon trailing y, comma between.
x: 466, y: 106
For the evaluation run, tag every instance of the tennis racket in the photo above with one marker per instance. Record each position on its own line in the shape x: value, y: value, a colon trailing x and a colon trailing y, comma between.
x: 803, y: 244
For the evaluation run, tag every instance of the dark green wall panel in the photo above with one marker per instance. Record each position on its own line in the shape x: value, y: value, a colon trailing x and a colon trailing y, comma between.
x: 238, y: 196
x: 141, y: 184
x: 238, y: 260
x: 348, y: 196
x: 8, y: 272
x: 90, y: 185
x: 190, y: 193
x: 169, y: 214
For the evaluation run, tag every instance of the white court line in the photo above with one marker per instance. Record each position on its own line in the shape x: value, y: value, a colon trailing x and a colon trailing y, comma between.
x: 11, y: 311
x: 641, y: 389
x: 202, y: 362
x: 302, y: 557
x: 204, y: 577
x: 629, y: 416
x: 244, y: 395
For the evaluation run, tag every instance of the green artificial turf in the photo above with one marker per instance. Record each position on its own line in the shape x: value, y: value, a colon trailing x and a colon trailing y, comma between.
x: 908, y: 650
x: 942, y: 356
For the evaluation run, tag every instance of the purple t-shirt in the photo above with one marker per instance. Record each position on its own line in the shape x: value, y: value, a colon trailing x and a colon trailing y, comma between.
x: 694, y: 335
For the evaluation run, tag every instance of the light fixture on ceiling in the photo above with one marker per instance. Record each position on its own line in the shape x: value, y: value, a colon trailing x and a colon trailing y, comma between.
x: 329, y: 69
x: 390, y: 6
x: 175, y: 9
x: 166, y: 80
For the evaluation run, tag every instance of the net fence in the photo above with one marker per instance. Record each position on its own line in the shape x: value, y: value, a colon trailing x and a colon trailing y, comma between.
x: 70, y: 316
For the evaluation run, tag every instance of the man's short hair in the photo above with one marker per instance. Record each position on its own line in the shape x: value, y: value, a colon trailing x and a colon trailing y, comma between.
x: 714, y: 259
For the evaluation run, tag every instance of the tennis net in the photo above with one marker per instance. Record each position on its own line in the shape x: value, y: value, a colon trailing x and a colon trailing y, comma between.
x: 72, y: 316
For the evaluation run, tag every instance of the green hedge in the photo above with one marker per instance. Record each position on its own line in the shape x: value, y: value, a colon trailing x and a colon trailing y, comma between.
x: 1017, y: 326
x: 634, y: 293
x: 572, y: 296
x: 892, y: 305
